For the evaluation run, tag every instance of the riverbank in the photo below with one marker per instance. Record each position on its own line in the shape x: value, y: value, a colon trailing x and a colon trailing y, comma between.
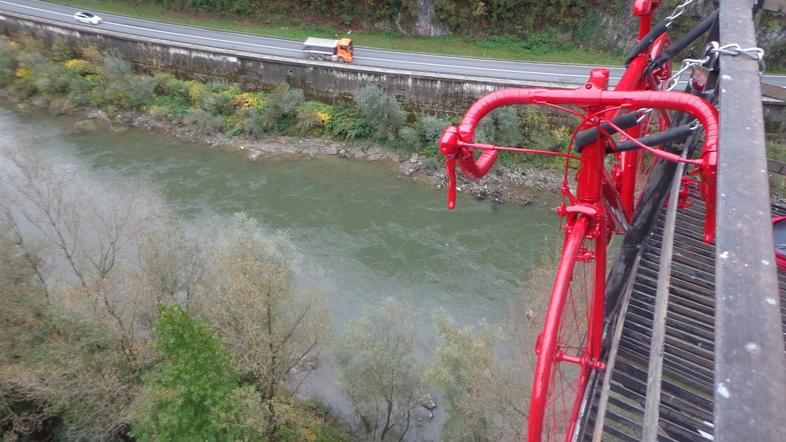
x: 505, y: 184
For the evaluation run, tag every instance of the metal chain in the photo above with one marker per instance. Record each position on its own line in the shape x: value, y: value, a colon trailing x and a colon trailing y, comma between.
x: 687, y: 63
x: 710, y: 59
x: 734, y: 49
x: 679, y: 10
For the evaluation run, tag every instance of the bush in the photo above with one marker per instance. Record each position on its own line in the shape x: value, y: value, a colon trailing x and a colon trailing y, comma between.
x: 279, y: 110
x: 61, y: 50
x: 409, y: 139
x: 382, y: 111
x: 176, y: 106
x: 204, y: 122
x: 430, y: 128
x: 500, y: 126
x: 115, y: 68
x: 312, y: 115
x: 168, y: 84
x: 131, y: 92
x: 348, y: 123
x: 250, y: 120
x: 221, y: 103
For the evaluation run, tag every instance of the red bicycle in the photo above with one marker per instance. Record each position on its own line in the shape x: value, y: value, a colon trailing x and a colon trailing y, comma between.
x: 604, y: 200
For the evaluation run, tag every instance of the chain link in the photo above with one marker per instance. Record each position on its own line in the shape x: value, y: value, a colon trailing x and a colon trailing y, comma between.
x: 734, y: 49
x: 679, y: 10
x: 687, y: 63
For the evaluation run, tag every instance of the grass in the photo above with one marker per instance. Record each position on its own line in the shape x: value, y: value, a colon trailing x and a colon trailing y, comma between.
x: 449, y: 45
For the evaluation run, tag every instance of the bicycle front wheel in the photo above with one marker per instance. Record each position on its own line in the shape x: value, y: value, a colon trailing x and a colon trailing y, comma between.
x: 569, y: 346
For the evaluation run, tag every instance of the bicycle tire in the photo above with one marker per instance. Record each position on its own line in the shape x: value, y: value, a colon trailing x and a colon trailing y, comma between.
x: 569, y: 345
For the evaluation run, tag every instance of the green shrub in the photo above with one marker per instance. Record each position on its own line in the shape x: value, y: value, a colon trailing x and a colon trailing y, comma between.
x: 168, y: 84
x: 133, y: 92
x: 312, y: 115
x: 500, y: 126
x: 382, y: 111
x: 430, y: 128
x: 158, y: 112
x: 409, y: 139
x: 348, y: 123
x: 8, y: 63
x: 176, y: 106
x: 250, y: 120
x: 115, y: 68
x: 280, y: 108
x: 218, y: 103
x: 204, y: 122
x: 61, y: 50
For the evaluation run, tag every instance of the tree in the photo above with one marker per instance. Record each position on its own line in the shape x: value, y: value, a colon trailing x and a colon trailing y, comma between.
x: 486, y: 372
x: 275, y: 327
x: 86, y: 231
x: 379, y: 370
x: 482, y: 392
x: 193, y: 393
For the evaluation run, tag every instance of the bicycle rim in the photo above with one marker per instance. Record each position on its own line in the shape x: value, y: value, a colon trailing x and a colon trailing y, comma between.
x: 564, y: 348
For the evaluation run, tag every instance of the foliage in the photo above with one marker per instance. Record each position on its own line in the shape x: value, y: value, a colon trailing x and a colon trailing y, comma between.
x: 204, y: 122
x: 430, y: 128
x: 193, y: 392
x: 348, y: 123
x: 500, y: 126
x: 483, y: 406
x: 313, y: 115
x: 275, y: 327
x: 382, y: 111
x: 280, y: 109
x: 56, y: 374
x: 218, y: 103
x: 379, y: 371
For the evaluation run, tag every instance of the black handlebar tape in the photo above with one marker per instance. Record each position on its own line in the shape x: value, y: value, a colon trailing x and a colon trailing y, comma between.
x: 675, y: 134
x: 587, y: 136
x: 683, y: 42
x: 646, y: 41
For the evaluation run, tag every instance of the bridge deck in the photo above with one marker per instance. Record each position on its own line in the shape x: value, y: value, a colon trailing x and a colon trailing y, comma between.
x: 686, y: 405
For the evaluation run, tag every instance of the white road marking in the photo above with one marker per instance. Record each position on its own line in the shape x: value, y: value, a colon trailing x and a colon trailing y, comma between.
x: 482, y: 69
x: 161, y: 31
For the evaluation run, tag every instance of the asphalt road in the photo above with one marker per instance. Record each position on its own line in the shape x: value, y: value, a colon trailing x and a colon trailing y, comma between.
x: 514, y: 70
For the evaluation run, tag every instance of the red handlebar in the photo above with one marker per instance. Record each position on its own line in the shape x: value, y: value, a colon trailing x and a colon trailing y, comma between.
x: 455, y: 142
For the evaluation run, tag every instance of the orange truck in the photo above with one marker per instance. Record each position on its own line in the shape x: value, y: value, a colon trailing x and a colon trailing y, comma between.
x: 326, y: 49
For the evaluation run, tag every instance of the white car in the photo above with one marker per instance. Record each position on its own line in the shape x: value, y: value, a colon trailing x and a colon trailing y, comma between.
x: 88, y: 18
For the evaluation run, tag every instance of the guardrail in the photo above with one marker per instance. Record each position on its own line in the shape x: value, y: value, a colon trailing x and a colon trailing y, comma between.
x: 750, y: 370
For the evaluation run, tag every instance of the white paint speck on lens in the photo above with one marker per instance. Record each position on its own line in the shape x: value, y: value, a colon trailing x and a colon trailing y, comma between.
x: 726, y: 77
x: 765, y: 262
x: 771, y: 301
x: 723, y: 391
x: 724, y: 255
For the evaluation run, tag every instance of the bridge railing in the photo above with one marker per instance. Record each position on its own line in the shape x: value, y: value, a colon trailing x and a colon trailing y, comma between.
x: 750, y: 371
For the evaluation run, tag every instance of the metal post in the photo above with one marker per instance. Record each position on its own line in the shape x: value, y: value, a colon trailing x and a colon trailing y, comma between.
x: 750, y: 374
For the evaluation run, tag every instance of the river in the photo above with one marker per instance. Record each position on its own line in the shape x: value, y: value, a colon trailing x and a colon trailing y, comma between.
x: 363, y: 232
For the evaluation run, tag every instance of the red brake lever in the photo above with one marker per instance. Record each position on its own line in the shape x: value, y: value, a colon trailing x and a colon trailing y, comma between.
x: 450, y: 164
x: 449, y: 146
